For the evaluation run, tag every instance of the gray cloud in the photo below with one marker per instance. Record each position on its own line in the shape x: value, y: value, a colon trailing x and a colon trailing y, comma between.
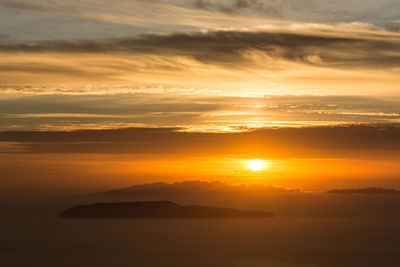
x: 352, y: 141
x: 44, y: 6
x: 229, y: 47
x: 265, y: 7
x: 236, y: 6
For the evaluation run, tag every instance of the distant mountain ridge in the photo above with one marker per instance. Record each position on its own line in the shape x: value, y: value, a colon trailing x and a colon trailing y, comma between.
x: 367, y: 190
x: 155, y: 209
x: 199, y: 187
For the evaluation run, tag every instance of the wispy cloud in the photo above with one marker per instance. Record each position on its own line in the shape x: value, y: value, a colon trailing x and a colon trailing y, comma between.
x: 296, y: 58
x: 135, y: 13
x: 193, y: 112
x: 331, y: 50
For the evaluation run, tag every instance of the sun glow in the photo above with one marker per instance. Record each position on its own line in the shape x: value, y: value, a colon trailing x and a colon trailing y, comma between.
x: 256, y: 164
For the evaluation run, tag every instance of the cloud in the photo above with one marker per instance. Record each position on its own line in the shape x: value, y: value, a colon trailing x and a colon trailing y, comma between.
x: 295, y: 58
x: 237, y: 6
x: 229, y: 48
x: 373, y: 141
x: 41, y: 68
x: 193, y: 110
x: 72, y: 20
x: 103, y: 10
x: 33, y: 5
x: 393, y: 25
x: 134, y: 13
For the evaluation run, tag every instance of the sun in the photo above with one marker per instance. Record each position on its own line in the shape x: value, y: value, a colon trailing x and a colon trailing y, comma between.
x: 256, y: 164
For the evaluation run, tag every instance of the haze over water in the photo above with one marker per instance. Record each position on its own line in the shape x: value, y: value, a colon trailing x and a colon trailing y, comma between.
x: 303, y: 233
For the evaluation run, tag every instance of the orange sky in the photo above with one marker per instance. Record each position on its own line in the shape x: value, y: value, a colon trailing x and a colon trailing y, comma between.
x: 102, y: 93
x: 306, y: 158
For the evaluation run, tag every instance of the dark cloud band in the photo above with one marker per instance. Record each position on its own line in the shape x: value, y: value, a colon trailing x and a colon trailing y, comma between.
x: 229, y: 47
x: 308, y: 142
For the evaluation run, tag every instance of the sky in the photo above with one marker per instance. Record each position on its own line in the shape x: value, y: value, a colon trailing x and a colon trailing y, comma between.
x: 112, y: 93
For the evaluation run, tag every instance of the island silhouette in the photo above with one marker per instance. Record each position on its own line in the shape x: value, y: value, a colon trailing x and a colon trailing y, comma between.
x: 155, y: 209
x: 199, y: 187
x: 367, y: 190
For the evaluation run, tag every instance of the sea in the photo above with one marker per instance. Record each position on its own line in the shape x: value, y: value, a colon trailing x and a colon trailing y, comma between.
x: 31, y: 234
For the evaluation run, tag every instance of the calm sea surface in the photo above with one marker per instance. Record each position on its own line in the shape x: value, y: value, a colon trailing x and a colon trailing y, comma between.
x: 44, y: 240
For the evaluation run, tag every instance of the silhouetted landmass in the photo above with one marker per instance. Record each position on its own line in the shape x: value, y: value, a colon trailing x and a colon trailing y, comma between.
x: 368, y: 190
x: 196, y: 187
x: 155, y: 209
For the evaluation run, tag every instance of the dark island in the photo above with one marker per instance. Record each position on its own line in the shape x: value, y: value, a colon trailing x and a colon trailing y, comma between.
x: 368, y: 190
x: 157, y: 209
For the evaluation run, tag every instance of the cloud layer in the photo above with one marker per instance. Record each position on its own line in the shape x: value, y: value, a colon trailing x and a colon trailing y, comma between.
x: 190, y: 109
x: 352, y: 142
x: 230, y: 47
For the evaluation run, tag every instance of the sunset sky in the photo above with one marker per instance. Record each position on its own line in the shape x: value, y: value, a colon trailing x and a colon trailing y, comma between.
x: 101, y: 93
